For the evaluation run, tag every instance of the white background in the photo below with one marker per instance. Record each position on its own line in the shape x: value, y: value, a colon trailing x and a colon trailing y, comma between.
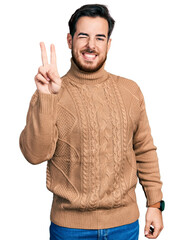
x: 147, y: 47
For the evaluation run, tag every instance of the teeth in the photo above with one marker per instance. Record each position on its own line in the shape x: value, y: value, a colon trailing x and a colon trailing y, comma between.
x: 89, y: 55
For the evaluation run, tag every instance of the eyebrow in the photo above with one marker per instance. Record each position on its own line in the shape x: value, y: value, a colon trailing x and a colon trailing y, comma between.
x: 101, y: 35
x: 85, y: 34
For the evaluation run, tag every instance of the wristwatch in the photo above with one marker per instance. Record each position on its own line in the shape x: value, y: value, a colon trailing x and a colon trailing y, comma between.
x: 160, y: 205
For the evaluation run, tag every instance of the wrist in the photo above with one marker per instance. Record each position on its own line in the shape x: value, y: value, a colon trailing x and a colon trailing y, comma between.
x: 160, y: 205
x: 156, y: 205
x: 47, y: 102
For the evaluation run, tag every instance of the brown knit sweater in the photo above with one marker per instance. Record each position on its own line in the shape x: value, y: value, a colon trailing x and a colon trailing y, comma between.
x: 96, y: 138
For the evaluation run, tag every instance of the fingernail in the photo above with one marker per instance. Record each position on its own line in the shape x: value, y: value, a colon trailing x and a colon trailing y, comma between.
x: 145, y: 233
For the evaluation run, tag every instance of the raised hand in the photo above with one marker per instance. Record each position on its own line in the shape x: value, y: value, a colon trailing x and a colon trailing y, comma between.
x: 47, y: 79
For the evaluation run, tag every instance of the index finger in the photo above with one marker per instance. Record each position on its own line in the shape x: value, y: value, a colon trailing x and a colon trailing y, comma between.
x: 44, y: 54
x: 52, y: 54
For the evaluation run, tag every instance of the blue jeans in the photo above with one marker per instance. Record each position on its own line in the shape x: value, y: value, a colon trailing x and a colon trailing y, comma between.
x: 125, y: 232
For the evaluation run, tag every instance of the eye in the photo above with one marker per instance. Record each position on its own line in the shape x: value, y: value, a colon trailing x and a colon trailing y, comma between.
x: 100, y: 39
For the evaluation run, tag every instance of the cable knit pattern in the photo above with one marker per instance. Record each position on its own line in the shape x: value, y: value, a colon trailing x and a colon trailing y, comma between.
x: 95, y: 136
x: 123, y: 135
x: 116, y: 136
x: 85, y: 143
x: 94, y: 147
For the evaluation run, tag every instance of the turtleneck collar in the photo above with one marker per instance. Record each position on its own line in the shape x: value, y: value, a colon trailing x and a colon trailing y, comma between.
x: 82, y: 77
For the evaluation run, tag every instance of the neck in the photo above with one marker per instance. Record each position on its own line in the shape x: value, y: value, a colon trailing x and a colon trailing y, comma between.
x: 83, y: 77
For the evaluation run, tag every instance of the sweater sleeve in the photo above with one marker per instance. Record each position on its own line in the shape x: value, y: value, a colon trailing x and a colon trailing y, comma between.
x: 38, y: 138
x: 146, y: 157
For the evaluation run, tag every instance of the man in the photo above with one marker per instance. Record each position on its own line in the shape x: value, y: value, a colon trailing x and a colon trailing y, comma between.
x: 92, y: 129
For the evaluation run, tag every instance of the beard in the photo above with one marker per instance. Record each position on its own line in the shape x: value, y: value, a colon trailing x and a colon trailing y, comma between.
x: 88, y: 67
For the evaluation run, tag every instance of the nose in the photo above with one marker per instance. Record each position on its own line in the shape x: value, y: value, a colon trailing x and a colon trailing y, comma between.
x: 91, y: 43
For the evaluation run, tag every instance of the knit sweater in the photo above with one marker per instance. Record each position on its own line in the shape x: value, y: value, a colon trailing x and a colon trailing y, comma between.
x: 96, y: 139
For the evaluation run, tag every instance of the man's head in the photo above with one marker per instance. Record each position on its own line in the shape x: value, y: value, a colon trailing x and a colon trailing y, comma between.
x: 89, y: 37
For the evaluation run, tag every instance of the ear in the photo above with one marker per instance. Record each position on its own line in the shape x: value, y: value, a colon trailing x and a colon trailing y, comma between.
x: 69, y: 40
x: 109, y: 44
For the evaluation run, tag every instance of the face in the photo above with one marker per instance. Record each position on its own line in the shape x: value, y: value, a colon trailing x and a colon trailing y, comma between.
x: 90, y: 43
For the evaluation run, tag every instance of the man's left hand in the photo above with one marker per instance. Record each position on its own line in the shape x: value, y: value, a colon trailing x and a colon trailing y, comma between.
x: 153, y: 218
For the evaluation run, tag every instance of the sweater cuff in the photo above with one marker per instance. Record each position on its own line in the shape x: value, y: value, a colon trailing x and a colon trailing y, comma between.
x: 153, y: 196
x: 47, y: 102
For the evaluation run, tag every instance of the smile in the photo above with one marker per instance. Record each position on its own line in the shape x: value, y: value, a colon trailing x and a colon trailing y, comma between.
x: 89, y: 56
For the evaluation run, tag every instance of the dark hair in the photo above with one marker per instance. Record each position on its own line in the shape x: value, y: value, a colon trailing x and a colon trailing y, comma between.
x: 91, y: 10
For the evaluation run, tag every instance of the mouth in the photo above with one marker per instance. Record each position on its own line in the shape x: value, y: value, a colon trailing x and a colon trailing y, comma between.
x: 89, y: 56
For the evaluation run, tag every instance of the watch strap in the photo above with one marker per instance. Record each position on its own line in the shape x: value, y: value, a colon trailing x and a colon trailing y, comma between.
x: 160, y: 205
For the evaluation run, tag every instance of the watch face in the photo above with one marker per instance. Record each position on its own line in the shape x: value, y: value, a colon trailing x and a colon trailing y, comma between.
x: 162, y: 205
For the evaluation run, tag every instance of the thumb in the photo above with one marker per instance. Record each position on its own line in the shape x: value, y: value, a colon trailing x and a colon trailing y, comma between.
x: 147, y: 227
